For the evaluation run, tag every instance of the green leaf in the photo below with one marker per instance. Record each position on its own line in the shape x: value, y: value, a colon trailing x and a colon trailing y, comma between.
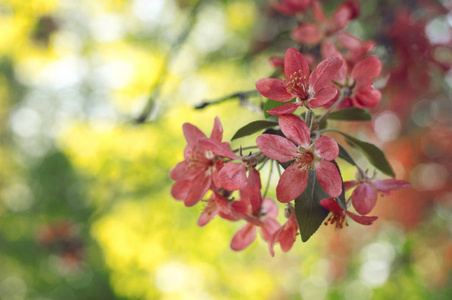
x: 345, y: 156
x: 373, y: 154
x: 273, y: 104
x: 341, y: 199
x: 350, y: 114
x: 253, y: 127
x: 310, y: 214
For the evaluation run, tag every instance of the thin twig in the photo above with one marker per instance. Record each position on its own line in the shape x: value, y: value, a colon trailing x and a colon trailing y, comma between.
x: 242, y: 96
x: 344, y: 93
x: 161, y: 78
x: 269, y: 178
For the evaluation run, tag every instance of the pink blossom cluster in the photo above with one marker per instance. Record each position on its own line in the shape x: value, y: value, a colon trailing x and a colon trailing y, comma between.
x: 229, y: 182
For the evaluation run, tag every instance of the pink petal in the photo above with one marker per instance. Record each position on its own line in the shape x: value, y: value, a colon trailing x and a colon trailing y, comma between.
x: 284, y: 109
x: 368, y: 68
x: 289, y: 234
x: 183, y: 172
x: 295, y: 129
x: 364, y: 220
x: 180, y: 189
x: 222, y: 149
x: 199, y: 187
x: 329, y: 178
x: 209, y: 212
x: 324, y: 73
x: 270, y: 208
x: 192, y: 133
x: 253, y: 187
x: 390, y: 184
x: 244, y: 237
x: 326, y: 147
x: 349, y: 184
x: 276, y: 147
x: 307, y: 33
x: 323, y: 96
x: 331, y: 205
x: 368, y: 97
x: 364, y: 198
x: 295, y: 65
x: 232, y: 176
x: 291, y: 184
x: 346, y: 11
x: 217, y: 131
x: 274, y: 89
x: 317, y: 12
x: 269, y: 228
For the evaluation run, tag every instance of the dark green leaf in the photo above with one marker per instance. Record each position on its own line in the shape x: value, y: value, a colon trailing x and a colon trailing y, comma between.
x: 345, y: 156
x: 341, y: 199
x: 273, y: 104
x: 310, y: 214
x: 373, y: 154
x: 253, y: 127
x: 350, y: 114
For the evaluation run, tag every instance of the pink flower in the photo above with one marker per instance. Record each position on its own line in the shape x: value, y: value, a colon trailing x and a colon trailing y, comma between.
x: 338, y: 214
x: 233, y: 177
x: 315, y: 89
x: 219, y: 205
x: 306, y: 157
x: 291, y: 7
x: 364, y: 197
x: 194, y: 175
x: 359, y: 80
x: 265, y: 219
x: 309, y: 33
x: 286, y: 235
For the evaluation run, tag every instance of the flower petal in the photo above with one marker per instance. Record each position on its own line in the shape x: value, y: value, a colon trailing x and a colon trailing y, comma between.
x: 324, y: 73
x: 284, y: 109
x: 326, y: 147
x: 295, y: 64
x: 329, y: 178
x: 368, y: 68
x: 364, y: 198
x: 276, y: 147
x: 368, y: 96
x: 344, y: 13
x: 217, y: 131
x: 232, y: 176
x: 322, y: 97
x: 295, y: 129
x: 270, y: 227
x: 253, y: 189
x: 270, y: 208
x: 288, y: 235
x: 183, y: 172
x: 291, y: 184
x: 307, y: 33
x: 274, y: 89
x: 217, y: 148
x: 390, y: 184
x: 192, y: 133
x: 199, y: 187
x: 364, y: 220
x: 180, y: 189
x: 244, y: 237
x: 331, y: 205
x: 349, y: 184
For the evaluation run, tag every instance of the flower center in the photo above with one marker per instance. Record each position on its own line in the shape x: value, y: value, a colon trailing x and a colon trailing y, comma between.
x: 296, y: 85
x: 304, y: 160
x: 338, y: 218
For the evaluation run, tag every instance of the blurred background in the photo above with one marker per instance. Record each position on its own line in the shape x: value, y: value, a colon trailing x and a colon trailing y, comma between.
x: 93, y: 95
